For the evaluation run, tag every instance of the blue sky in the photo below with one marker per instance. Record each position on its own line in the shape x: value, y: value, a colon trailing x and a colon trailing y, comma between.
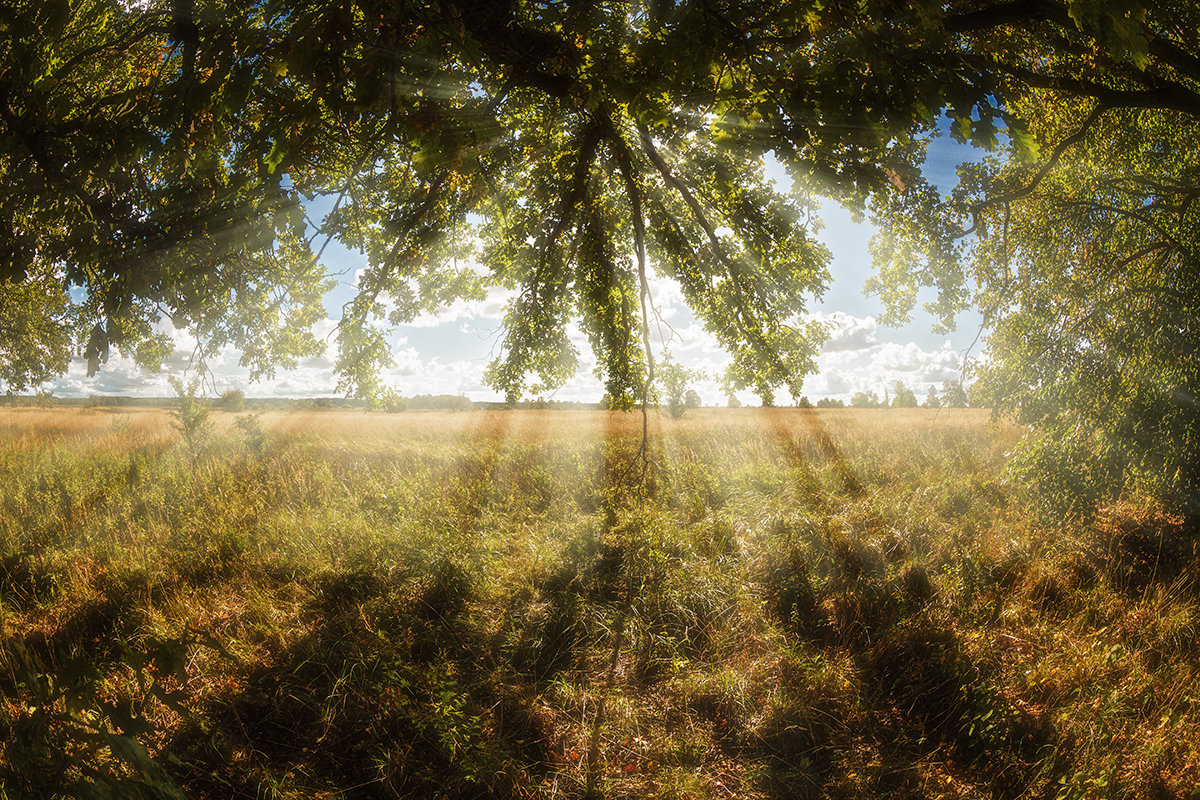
x: 447, y: 352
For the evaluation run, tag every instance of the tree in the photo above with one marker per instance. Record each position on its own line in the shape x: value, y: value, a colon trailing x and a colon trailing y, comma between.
x: 232, y: 400
x: 566, y: 136
x: 904, y: 396
x: 179, y: 139
x: 867, y: 399
x: 931, y: 399
x: 674, y: 379
x: 155, y: 156
x: 1078, y: 237
x: 191, y: 416
x: 954, y: 395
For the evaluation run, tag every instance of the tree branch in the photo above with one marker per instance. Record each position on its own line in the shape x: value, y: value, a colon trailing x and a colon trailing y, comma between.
x: 988, y: 202
x: 698, y: 214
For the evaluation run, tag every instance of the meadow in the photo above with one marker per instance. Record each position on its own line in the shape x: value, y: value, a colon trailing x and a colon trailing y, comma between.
x: 764, y: 603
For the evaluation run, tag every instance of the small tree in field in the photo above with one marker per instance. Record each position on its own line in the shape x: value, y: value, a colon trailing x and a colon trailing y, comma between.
x: 233, y: 400
x: 191, y: 416
x: 932, y: 400
x: 674, y: 379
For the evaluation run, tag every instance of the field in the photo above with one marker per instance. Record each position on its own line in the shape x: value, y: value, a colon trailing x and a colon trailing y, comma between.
x: 774, y: 603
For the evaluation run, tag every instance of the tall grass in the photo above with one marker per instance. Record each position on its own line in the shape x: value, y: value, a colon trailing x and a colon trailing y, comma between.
x: 789, y: 604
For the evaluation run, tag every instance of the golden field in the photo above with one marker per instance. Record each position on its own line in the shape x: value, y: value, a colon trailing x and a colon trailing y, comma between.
x: 762, y: 603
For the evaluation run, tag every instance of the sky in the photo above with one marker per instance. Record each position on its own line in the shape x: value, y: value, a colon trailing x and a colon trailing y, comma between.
x: 447, y: 352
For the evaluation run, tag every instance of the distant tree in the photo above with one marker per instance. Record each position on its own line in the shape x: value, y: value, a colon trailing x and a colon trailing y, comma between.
x: 904, y: 397
x: 674, y: 378
x: 44, y: 399
x: 732, y: 401
x: 803, y: 402
x: 954, y: 395
x: 932, y: 400
x: 829, y: 402
x: 388, y: 401
x: 233, y: 401
x: 866, y: 399
x: 691, y: 400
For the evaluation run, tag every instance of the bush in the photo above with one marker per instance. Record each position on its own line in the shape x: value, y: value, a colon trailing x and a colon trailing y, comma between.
x: 191, y: 416
x: 255, y: 435
x: 233, y: 400
x: 1067, y: 475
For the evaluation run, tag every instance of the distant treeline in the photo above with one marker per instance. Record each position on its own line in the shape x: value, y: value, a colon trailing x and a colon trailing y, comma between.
x: 236, y: 400
x: 953, y: 394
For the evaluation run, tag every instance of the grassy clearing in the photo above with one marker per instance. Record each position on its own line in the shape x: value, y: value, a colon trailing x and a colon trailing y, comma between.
x: 791, y: 604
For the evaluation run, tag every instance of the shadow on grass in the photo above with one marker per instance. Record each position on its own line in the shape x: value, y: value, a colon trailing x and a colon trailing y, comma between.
x: 919, y: 710
x: 391, y: 691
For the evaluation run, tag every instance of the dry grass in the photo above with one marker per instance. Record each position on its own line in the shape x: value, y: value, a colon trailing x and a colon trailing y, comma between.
x: 785, y: 603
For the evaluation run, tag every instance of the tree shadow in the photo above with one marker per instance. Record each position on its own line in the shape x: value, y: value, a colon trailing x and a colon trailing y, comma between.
x: 391, y: 690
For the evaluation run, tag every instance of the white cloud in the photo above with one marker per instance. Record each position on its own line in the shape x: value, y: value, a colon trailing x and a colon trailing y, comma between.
x: 666, y: 298
x: 847, y: 332
x: 492, y: 307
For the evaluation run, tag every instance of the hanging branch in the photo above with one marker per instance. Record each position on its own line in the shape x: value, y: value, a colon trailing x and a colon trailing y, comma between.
x: 625, y: 163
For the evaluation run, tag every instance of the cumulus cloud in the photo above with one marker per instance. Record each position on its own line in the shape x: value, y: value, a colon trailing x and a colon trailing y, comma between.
x: 878, y: 368
x: 911, y: 360
x: 492, y: 307
x: 829, y: 384
x: 847, y: 332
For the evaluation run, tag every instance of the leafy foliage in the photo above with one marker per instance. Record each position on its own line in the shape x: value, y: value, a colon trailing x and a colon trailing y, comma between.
x: 903, y: 397
x: 156, y: 158
x: 36, y: 345
x: 191, y: 416
x: 675, y: 379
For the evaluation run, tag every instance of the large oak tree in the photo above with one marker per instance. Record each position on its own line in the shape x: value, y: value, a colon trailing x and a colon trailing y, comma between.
x: 156, y: 157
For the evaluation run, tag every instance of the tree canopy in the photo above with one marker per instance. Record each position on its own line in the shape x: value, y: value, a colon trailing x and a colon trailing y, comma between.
x: 157, y: 158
